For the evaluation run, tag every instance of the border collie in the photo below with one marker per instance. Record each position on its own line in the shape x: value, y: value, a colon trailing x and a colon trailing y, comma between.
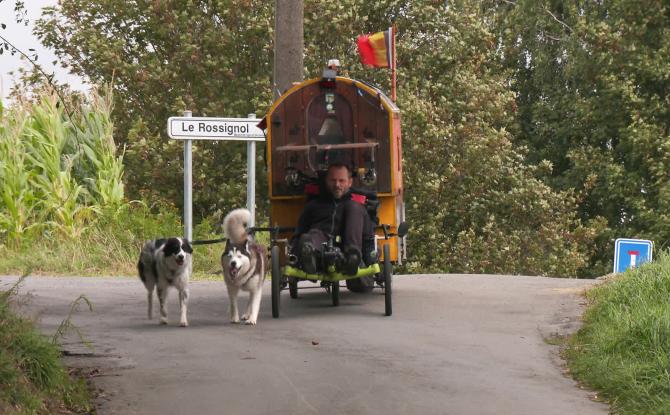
x: 166, y: 263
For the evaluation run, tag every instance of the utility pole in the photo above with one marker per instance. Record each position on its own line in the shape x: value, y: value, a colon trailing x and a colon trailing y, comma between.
x: 289, y: 45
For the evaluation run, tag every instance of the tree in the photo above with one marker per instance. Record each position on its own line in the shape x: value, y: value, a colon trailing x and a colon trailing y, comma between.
x: 37, y: 77
x: 489, y: 212
x: 19, y: 17
x: 592, y: 87
x: 211, y: 57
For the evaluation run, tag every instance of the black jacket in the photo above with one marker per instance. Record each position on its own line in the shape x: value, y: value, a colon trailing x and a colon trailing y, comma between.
x: 323, y: 212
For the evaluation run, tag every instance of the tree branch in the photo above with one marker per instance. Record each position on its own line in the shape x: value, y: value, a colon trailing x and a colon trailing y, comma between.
x: 558, y: 20
x: 46, y: 76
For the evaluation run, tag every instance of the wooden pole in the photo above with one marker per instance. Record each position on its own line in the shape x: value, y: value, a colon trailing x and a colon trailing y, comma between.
x: 288, y: 46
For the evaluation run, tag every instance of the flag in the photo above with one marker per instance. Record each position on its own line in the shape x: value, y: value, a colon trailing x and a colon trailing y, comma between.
x: 376, y: 49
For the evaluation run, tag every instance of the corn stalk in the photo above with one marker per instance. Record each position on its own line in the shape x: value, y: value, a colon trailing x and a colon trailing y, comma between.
x: 63, y: 199
x: 57, y: 173
x: 18, y: 203
x: 104, y: 170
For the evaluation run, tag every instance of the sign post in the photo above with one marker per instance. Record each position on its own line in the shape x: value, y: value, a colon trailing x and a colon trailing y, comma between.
x: 188, y: 187
x: 251, y: 177
x: 631, y: 253
x: 190, y: 128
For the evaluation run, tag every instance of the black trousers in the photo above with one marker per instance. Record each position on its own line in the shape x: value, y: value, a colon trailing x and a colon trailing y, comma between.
x: 355, y: 231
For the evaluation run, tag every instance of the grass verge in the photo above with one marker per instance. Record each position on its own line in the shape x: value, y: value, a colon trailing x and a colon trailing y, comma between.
x: 623, y: 348
x: 32, y: 377
x: 110, y: 246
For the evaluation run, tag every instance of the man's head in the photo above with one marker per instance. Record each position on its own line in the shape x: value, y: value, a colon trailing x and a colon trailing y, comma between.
x: 338, y: 180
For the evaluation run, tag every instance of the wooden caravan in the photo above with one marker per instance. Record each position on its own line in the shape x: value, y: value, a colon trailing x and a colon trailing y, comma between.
x: 335, y: 119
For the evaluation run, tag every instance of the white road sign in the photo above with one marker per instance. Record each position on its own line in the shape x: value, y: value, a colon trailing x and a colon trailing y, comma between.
x: 208, y: 128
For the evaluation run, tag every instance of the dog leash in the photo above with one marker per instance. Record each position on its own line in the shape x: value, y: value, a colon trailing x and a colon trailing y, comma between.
x: 250, y: 231
x: 208, y: 241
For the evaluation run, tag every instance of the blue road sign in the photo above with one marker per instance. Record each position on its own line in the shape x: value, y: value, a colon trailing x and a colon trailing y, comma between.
x: 631, y: 253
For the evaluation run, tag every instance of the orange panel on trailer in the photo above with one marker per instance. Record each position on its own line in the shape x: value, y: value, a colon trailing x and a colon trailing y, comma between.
x: 388, y: 215
x: 285, y: 212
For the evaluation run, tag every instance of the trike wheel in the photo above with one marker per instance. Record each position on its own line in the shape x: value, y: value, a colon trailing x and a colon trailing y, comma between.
x: 293, y: 287
x: 388, y: 277
x: 276, y: 280
x: 335, y: 292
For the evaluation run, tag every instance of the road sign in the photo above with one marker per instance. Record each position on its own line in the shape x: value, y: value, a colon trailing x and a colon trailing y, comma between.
x: 190, y: 128
x: 210, y: 128
x: 631, y: 253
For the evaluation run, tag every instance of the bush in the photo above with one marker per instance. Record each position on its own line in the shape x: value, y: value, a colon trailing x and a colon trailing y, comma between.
x: 109, y: 245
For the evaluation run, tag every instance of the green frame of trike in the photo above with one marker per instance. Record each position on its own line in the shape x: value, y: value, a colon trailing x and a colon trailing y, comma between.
x: 293, y: 274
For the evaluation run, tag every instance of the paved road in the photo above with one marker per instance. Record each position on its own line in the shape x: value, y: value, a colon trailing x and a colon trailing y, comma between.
x: 456, y: 344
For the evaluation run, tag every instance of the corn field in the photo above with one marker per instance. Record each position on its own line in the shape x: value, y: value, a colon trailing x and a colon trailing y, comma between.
x: 57, y: 172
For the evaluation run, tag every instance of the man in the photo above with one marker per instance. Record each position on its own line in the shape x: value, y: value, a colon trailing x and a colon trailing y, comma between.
x: 332, y: 215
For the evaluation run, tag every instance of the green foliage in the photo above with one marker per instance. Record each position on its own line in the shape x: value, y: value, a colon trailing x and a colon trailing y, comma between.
x: 19, y: 202
x: 63, y: 208
x: 46, y: 135
x: 110, y: 245
x: 101, y: 168
x: 623, y: 348
x: 331, y: 29
x: 592, y: 87
x: 57, y: 172
x: 32, y: 378
x: 161, y: 58
x: 491, y: 211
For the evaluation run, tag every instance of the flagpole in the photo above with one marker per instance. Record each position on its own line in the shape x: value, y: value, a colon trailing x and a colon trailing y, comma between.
x: 393, y: 59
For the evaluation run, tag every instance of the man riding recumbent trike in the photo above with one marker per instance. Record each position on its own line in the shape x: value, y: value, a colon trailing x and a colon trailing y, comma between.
x: 335, y: 186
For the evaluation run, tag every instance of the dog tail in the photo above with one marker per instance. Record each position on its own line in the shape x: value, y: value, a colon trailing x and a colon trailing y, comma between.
x: 235, y: 225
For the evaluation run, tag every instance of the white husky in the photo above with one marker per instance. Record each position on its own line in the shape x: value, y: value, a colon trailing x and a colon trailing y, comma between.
x: 244, y: 265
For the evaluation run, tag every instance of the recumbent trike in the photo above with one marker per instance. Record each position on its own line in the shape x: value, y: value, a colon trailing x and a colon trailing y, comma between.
x: 311, y: 125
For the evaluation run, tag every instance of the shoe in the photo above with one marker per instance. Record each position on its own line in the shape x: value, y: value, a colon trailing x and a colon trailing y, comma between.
x: 308, y: 258
x: 352, y: 259
x: 332, y: 257
x: 371, y: 258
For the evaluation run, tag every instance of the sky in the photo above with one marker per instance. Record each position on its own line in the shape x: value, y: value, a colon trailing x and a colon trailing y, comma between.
x: 22, y: 37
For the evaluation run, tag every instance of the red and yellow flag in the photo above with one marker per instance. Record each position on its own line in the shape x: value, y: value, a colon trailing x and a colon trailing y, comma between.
x: 376, y: 49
